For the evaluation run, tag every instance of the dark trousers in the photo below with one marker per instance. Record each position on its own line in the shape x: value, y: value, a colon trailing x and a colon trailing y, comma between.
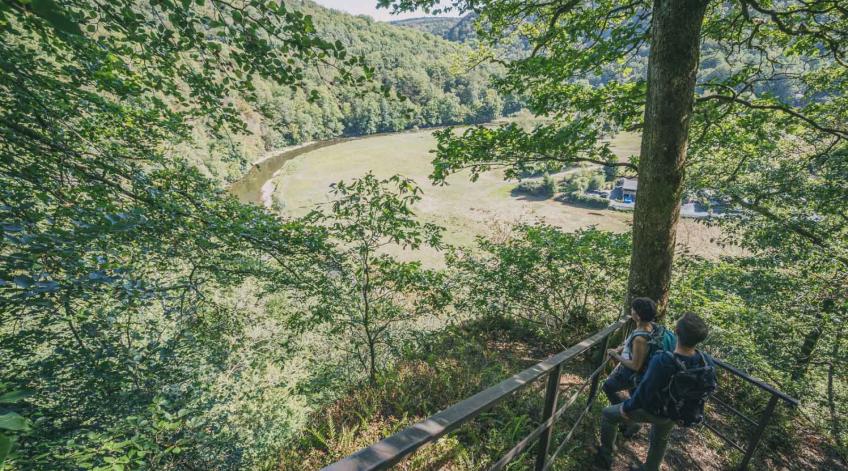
x: 660, y: 430
x: 621, y: 379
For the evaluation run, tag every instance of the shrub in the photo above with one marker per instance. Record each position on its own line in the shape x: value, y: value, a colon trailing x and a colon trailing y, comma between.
x: 596, y: 183
x: 582, y: 180
x: 588, y: 201
x: 561, y: 285
x: 548, y: 186
x: 545, y: 188
x: 375, y: 299
x: 574, y: 184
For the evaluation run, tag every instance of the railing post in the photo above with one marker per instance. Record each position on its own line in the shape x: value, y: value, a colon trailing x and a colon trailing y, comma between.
x: 758, y: 433
x: 551, y: 397
x: 593, y: 388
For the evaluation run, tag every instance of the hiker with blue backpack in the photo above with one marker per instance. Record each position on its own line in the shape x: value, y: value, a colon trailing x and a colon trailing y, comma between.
x: 672, y: 391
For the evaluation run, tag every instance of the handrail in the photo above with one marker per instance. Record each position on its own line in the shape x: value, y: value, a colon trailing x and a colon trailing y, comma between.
x: 393, y: 449
x: 759, y: 427
x: 758, y: 383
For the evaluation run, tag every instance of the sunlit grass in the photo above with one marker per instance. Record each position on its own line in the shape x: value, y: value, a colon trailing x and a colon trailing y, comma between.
x: 464, y: 208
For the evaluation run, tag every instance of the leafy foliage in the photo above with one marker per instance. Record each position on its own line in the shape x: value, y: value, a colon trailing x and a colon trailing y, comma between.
x: 544, y: 188
x: 116, y: 256
x: 11, y: 423
x: 449, y: 365
x: 563, y: 285
x: 761, y: 321
x: 369, y: 298
x: 582, y: 199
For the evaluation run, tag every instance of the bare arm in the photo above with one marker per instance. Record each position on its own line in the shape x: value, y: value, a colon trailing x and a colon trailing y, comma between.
x: 639, y: 354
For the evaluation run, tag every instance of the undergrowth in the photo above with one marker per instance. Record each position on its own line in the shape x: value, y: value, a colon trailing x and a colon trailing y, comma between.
x: 451, y: 365
x: 459, y: 361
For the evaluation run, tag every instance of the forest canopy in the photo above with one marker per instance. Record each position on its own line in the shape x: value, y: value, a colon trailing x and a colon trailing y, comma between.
x: 431, y: 86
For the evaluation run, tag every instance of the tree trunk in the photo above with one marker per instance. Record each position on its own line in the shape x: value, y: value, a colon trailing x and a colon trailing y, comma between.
x: 672, y: 68
x: 835, y: 424
x: 805, y: 355
x: 372, y: 361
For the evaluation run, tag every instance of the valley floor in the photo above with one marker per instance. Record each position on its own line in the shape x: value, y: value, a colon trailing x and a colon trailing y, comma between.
x: 466, y: 209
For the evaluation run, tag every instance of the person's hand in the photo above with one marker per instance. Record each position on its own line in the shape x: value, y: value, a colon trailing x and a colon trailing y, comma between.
x: 612, y: 353
x: 624, y: 414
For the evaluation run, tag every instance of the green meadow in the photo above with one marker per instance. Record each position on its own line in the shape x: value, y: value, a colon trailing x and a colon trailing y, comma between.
x: 464, y: 208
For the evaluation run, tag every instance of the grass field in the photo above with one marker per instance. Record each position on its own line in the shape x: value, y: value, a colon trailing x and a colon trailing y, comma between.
x: 466, y: 209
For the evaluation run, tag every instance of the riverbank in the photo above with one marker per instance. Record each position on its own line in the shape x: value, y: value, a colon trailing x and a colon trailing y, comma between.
x: 256, y: 185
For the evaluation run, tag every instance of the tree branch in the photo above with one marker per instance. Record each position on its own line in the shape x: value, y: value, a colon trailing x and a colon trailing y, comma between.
x: 839, y: 133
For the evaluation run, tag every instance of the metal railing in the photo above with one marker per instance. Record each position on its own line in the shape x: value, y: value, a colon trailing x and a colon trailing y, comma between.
x: 393, y: 449
x: 759, y: 427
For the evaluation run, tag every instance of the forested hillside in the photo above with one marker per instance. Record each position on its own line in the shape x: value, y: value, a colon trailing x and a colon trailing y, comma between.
x: 420, y: 67
x: 459, y: 30
x: 714, y: 64
x: 434, y: 25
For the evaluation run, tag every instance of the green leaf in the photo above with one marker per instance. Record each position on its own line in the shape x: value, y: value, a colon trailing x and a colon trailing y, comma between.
x: 56, y: 16
x: 5, y: 447
x: 14, y: 396
x: 13, y: 421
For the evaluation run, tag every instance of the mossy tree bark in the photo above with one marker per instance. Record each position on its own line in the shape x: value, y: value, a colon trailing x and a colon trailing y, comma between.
x: 672, y: 69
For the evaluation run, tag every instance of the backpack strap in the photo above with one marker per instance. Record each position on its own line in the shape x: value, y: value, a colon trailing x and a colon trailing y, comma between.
x: 633, y: 336
x: 707, y: 360
x: 679, y: 364
x: 702, y: 358
x: 642, y: 333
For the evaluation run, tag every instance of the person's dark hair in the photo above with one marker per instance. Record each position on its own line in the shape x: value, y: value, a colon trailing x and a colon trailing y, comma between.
x: 691, y: 330
x: 645, y: 308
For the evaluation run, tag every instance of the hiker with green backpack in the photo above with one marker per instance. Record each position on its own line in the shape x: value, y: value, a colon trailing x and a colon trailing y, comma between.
x: 647, y: 339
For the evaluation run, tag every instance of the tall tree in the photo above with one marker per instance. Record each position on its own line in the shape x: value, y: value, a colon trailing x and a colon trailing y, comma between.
x: 368, y: 297
x: 672, y: 68
x: 586, y: 71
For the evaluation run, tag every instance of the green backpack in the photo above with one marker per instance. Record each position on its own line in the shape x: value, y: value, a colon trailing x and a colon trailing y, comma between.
x: 659, y: 340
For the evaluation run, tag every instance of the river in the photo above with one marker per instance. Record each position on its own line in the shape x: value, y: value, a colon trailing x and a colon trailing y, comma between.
x: 257, y: 185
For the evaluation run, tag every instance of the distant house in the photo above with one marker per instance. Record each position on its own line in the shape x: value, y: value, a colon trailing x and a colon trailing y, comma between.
x: 625, y: 190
